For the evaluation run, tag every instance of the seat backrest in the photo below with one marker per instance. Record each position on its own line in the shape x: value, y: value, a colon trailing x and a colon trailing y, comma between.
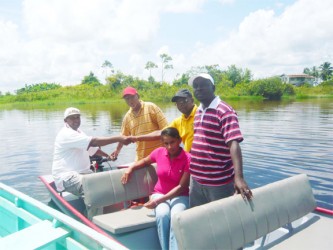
x: 105, y: 188
x: 231, y: 223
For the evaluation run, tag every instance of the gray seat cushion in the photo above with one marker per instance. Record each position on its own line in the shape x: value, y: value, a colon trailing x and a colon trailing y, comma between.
x: 231, y: 223
x: 127, y: 220
x: 105, y: 188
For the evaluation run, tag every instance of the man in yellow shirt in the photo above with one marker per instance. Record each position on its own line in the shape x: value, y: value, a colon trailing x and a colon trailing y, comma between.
x: 142, y: 118
x: 184, y: 124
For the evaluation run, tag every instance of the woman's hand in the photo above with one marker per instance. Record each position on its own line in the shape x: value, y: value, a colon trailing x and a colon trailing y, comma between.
x: 151, y: 204
x: 126, y: 175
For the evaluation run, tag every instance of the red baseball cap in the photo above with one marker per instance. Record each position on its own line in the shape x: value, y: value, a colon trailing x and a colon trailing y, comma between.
x: 129, y: 91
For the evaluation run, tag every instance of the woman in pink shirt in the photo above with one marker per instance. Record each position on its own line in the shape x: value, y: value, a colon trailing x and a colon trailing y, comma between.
x: 170, y: 194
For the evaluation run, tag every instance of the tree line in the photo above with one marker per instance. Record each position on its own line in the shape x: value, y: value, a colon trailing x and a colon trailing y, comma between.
x: 230, y: 82
x: 323, y: 72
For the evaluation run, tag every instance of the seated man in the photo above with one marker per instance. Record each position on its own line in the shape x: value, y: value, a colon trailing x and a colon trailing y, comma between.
x: 72, y: 149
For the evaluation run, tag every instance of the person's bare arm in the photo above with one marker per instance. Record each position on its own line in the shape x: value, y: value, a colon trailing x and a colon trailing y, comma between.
x: 102, y: 141
x: 100, y: 152
x: 114, y: 154
x: 153, y: 136
x: 137, y: 165
x: 241, y: 186
x: 183, y: 184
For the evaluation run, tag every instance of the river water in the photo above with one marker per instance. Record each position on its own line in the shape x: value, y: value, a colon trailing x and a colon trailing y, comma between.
x: 281, y: 139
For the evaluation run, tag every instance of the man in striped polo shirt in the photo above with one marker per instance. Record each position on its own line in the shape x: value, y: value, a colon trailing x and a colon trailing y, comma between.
x: 216, y: 157
x: 142, y: 118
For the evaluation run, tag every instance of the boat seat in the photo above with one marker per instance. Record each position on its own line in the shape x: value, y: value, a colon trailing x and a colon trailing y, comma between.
x: 33, y: 237
x: 128, y: 220
x: 231, y: 223
x: 105, y: 188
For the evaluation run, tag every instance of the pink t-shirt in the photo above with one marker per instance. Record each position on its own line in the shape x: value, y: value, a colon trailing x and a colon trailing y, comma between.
x: 169, y: 172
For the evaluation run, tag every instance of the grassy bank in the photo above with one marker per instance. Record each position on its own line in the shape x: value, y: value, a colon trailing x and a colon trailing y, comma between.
x: 162, y: 93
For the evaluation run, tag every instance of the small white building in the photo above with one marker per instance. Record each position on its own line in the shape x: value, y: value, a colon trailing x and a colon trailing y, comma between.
x: 298, y: 79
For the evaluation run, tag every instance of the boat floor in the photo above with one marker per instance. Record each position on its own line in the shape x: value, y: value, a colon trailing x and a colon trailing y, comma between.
x: 310, y: 232
x: 314, y: 234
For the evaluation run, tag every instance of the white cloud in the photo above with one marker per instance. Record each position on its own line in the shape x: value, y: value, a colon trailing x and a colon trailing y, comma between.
x: 270, y: 44
x: 182, y: 6
x: 226, y: 1
x: 63, y: 40
x: 8, y: 42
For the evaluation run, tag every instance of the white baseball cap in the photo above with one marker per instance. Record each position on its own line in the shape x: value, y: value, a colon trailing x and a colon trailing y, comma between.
x: 71, y: 111
x: 202, y: 75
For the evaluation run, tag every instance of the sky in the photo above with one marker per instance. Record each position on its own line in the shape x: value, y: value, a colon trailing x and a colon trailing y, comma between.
x: 61, y: 41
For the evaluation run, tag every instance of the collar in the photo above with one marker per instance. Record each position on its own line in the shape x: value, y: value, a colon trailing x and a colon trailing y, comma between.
x: 212, y: 105
x: 167, y: 155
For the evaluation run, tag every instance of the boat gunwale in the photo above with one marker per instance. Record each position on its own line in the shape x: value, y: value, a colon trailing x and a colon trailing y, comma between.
x: 58, y: 218
x: 75, y: 212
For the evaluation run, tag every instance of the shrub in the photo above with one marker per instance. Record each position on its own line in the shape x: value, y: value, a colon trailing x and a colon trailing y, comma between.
x: 289, y: 89
x: 269, y: 88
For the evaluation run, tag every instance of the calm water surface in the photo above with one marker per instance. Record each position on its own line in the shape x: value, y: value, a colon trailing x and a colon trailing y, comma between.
x: 281, y: 139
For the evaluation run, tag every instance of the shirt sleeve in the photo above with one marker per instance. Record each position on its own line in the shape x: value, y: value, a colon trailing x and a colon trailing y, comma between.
x: 154, y: 154
x: 124, y: 128
x: 92, y: 150
x: 230, y: 127
x: 175, y: 124
x: 187, y: 165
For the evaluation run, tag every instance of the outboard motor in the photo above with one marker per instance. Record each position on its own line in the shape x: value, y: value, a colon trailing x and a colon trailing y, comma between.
x: 97, y: 163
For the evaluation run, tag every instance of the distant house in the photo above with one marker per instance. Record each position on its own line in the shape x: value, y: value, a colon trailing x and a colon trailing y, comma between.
x: 299, y: 79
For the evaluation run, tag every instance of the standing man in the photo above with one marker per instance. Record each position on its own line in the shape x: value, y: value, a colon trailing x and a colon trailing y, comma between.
x: 72, y: 149
x: 142, y: 118
x: 216, y: 159
x: 184, y: 123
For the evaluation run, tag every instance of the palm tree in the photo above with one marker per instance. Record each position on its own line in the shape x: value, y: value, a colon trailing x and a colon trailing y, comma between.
x: 165, y: 60
x: 315, y: 72
x: 149, y: 66
x: 311, y: 72
x: 326, y: 71
x: 107, y: 65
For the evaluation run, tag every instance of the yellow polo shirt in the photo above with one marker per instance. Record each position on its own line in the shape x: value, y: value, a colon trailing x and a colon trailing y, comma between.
x: 185, y: 128
x: 149, y: 118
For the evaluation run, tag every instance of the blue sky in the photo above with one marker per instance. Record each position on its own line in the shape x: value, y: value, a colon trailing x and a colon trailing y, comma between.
x: 61, y: 41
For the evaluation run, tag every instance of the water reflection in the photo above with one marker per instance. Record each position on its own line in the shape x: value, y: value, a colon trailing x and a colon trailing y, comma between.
x: 281, y: 140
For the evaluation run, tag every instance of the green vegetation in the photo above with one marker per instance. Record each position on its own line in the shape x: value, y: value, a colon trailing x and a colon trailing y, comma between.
x: 37, y: 88
x: 91, y: 79
x: 325, y: 71
x: 233, y: 83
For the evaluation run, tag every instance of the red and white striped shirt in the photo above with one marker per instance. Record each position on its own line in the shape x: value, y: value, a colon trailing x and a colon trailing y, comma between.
x: 214, y: 127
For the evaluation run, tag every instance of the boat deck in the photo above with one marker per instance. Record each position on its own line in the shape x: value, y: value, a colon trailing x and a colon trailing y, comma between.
x: 33, y: 237
x: 26, y: 223
x: 315, y: 233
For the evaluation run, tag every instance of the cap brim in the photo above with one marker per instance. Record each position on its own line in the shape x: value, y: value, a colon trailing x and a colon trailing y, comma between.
x: 190, y: 81
x: 174, y: 99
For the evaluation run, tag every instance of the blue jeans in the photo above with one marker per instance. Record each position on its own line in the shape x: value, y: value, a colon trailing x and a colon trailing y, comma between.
x: 163, y: 212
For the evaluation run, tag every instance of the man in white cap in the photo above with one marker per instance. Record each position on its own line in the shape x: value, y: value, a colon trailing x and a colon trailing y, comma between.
x: 72, y: 149
x: 216, y: 159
